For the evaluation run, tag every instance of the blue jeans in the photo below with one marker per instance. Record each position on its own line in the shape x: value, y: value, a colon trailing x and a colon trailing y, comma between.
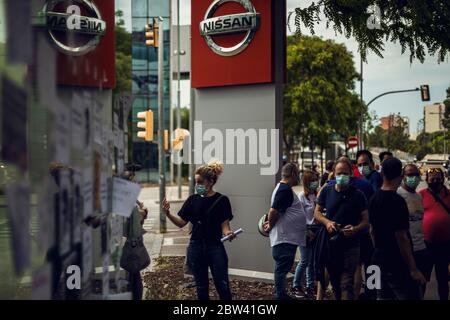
x: 284, y: 255
x: 200, y: 257
x: 305, y: 264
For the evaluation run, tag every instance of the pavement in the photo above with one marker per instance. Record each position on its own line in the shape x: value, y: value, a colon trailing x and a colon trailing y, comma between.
x: 174, y: 242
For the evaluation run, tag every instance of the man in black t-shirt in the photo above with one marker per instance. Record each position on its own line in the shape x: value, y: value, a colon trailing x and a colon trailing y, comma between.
x: 389, y: 228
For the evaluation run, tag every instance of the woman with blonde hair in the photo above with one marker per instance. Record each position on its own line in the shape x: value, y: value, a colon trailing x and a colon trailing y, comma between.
x: 210, y: 214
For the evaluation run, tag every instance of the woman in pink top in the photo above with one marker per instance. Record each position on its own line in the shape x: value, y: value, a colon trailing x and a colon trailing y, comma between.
x: 436, y: 226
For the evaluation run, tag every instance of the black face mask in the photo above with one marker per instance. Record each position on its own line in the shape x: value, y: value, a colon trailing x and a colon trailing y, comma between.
x: 436, y: 187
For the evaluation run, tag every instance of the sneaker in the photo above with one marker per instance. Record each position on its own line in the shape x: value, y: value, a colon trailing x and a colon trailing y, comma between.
x: 310, y: 292
x: 298, y: 292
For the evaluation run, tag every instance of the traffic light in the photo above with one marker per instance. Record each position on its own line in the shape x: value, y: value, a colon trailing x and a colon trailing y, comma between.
x: 425, y: 92
x: 147, y: 124
x: 152, y: 35
x: 166, y: 140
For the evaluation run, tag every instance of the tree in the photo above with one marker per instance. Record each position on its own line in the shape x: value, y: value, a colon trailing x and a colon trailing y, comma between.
x: 416, y: 25
x: 393, y: 138
x: 319, y: 98
x: 123, y: 56
x: 184, y: 113
x: 377, y: 138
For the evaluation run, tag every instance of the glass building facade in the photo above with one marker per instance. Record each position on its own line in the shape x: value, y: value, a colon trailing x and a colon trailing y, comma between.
x: 145, y: 82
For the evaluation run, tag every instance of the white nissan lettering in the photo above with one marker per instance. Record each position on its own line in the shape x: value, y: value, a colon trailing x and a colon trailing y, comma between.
x: 247, y: 23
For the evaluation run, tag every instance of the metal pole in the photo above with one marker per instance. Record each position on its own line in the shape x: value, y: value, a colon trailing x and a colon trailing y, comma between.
x: 162, y: 155
x: 171, y: 165
x: 179, y: 166
x: 391, y: 92
x: 191, y: 130
x: 361, y: 120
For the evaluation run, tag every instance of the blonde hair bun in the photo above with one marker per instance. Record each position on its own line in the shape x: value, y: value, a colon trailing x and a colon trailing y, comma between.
x: 211, y: 171
x: 216, y: 167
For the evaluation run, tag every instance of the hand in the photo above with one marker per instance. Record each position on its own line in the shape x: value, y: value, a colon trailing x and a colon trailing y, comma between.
x: 267, y: 227
x: 349, y: 230
x: 166, y: 206
x: 310, y: 236
x: 331, y: 226
x: 417, y: 276
x: 143, y: 212
x: 231, y: 234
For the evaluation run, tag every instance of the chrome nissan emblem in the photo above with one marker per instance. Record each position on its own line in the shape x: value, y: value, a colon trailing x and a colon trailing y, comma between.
x: 73, y: 23
x: 247, y: 23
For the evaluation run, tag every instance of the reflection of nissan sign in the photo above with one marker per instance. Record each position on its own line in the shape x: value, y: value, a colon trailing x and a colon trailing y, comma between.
x: 75, y: 29
x: 247, y: 22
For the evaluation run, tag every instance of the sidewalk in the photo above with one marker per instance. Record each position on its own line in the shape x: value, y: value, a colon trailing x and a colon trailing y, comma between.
x: 175, y: 240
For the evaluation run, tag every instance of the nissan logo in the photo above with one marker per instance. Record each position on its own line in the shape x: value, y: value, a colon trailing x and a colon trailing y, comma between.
x: 72, y: 32
x: 247, y: 22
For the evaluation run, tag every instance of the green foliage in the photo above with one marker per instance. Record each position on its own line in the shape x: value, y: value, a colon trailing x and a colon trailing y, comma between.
x: 123, y: 56
x: 123, y: 73
x: 319, y: 100
x: 446, y: 120
x: 429, y: 143
x: 394, y: 138
x: 418, y: 25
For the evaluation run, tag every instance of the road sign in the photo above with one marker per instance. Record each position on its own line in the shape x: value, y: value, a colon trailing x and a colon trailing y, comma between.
x: 352, y: 142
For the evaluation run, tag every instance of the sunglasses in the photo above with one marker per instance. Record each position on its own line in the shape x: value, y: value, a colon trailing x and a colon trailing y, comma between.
x: 435, y: 170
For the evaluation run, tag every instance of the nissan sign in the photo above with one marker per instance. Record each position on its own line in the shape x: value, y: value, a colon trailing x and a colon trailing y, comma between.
x: 247, y: 23
x: 75, y: 29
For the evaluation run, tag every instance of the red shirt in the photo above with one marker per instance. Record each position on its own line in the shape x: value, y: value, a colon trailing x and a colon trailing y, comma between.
x: 356, y: 171
x: 436, y: 220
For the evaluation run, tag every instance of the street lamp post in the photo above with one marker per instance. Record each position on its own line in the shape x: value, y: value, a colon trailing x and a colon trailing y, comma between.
x: 161, y: 151
x: 179, y: 166
x: 361, y: 119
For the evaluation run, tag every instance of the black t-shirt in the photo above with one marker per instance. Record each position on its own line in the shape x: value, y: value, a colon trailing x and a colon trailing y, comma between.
x: 388, y: 213
x: 283, y: 198
x: 209, y: 227
x: 344, y: 207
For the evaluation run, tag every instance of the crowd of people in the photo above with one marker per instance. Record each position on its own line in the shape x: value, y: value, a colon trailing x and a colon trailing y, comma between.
x: 358, y: 218
x: 353, y: 217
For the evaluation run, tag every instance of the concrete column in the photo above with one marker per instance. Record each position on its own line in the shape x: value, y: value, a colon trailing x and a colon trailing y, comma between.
x: 257, y: 106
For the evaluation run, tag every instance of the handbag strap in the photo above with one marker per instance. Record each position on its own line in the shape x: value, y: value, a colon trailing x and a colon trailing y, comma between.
x: 210, y: 209
x: 130, y: 226
x: 214, y: 204
x: 438, y: 199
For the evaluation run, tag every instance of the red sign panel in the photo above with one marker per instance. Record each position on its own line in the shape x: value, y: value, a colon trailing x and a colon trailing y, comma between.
x: 352, y: 142
x: 252, y: 65
x: 95, y: 68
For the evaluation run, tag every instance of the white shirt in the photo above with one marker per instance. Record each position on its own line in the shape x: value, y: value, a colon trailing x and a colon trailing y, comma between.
x: 291, y: 225
x: 309, y: 204
x: 415, y: 208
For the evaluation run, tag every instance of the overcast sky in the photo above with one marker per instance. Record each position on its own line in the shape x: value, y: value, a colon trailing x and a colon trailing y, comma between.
x: 393, y: 72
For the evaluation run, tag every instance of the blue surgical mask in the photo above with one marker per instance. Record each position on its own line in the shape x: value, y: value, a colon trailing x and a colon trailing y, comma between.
x: 364, y: 170
x: 314, y: 185
x: 200, y: 189
x: 412, y: 182
x: 342, y: 180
